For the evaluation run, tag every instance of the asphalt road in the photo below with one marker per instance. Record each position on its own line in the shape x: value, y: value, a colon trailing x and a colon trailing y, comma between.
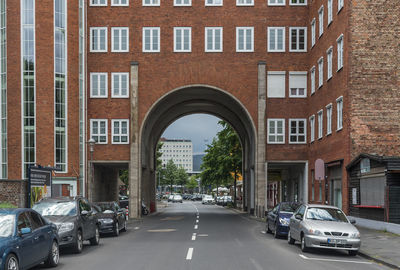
x: 196, y: 236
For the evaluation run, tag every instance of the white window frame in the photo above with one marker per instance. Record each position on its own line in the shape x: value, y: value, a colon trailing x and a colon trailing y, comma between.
x: 244, y: 40
x: 213, y: 29
x: 118, y: 4
x: 297, y: 134
x: 321, y: 20
x: 297, y: 37
x: 276, y: 3
x: 298, y: 4
x: 99, y: 134
x: 320, y: 115
x: 312, y: 79
x: 91, y: 84
x: 330, y: 12
x: 329, y: 60
x: 92, y: 4
x: 98, y: 39
x: 213, y: 3
x: 276, y: 134
x: 182, y: 39
x: 329, y: 119
x: 244, y: 4
x: 119, y: 29
x: 183, y: 4
x: 313, y: 32
x: 320, y: 72
x: 340, y: 52
x: 339, y: 113
x: 294, y: 73
x: 153, y: 3
x: 151, y: 39
x: 340, y: 5
x: 312, y: 128
x: 276, y: 40
x: 113, y: 134
x: 119, y: 74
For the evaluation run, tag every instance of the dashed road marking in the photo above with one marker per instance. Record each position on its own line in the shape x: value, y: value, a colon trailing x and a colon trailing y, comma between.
x: 197, y: 221
x: 194, y: 236
x: 162, y: 230
x: 189, y: 254
x: 136, y: 228
x: 202, y: 235
x: 196, y: 227
x: 332, y: 260
x: 263, y: 232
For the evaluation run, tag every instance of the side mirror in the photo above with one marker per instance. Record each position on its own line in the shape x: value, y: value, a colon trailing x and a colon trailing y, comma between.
x: 25, y: 231
x: 353, y: 221
x: 298, y: 216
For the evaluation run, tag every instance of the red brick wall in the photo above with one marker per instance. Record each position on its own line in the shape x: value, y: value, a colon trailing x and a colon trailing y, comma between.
x: 14, y: 191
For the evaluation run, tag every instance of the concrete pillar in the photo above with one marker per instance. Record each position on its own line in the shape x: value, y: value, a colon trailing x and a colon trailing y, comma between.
x: 305, y: 183
x: 260, y: 174
x: 134, y: 165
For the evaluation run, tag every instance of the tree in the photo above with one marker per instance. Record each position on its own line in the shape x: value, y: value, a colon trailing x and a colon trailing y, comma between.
x: 192, y: 183
x: 181, y: 177
x: 170, y: 174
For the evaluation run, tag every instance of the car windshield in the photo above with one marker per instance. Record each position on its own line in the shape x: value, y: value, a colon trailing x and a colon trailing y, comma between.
x: 105, y: 206
x: 55, y: 208
x: 7, y: 224
x: 326, y: 214
x: 208, y: 197
x: 288, y: 207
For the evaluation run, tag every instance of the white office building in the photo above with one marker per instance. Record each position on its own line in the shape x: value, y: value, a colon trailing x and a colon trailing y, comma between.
x: 180, y: 151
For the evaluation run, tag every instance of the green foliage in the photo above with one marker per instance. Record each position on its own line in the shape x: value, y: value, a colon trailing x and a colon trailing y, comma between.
x: 7, y: 205
x: 192, y: 183
x: 169, y: 174
x: 181, y: 176
x: 124, y: 176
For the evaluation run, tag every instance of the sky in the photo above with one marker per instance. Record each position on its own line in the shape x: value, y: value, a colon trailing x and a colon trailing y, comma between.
x: 199, y: 128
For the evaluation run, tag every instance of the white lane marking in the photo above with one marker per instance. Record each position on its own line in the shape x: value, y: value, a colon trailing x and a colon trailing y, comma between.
x: 194, y: 236
x: 196, y: 227
x: 332, y: 260
x: 189, y: 254
x: 256, y: 264
x: 163, y: 230
x: 197, y: 221
x: 136, y: 228
x: 202, y: 235
x: 263, y: 232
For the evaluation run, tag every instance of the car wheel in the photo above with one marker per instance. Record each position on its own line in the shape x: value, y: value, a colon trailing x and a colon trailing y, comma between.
x: 78, y: 246
x: 11, y: 262
x: 116, y: 229
x: 304, y: 247
x: 268, y: 229
x: 353, y: 252
x: 290, y: 239
x: 96, y: 238
x: 124, y: 227
x: 54, y: 255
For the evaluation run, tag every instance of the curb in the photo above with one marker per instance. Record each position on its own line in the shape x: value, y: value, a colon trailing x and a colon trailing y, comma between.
x: 365, y: 255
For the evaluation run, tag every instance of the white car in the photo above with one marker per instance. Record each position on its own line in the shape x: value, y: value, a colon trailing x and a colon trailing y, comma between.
x: 207, y: 199
x: 177, y: 198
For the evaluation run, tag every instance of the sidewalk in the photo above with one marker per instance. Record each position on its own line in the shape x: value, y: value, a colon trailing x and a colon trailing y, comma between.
x: 380, y: 246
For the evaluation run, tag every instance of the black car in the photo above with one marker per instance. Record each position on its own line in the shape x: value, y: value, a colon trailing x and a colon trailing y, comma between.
x: 111, y: 217
x: 278, y: 218
x: 74, y: 218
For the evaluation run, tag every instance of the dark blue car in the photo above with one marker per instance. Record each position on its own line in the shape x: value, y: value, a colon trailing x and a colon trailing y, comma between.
x: 26, y: 239
x: 279, y: 217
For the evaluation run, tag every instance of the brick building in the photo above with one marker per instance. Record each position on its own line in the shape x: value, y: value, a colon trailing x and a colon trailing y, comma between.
x: 299, y: 80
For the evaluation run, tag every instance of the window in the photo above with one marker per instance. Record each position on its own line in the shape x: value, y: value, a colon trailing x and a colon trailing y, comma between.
x: 245, y: 2
x: 298, y: 39
x: 339, y: 107
x: 340, y: 4
x: 365, y: 165
x: 120, y: 2
x: 312, y: 128
x: 330, y: 16
x: 328, y: 119
x: 276, y: 39
x: 36, y: 220
x: 298, y: 2
x: 329, y: 53
x: 321, y: 20
x: 297, y: 131
x: 320, y: 124
x: 98, y: 85
x: 312, y: 80
x: 320, y: 72
x: 151, y: 2
x: 313, y: 32
x: 151, y: 39
x: 244, y: 39
x: 98, y: 130
x: 213, y: 39
x: 98, y: 39
x: 213, y: 2
x: 120, y: 85
x: 120, y: 39
x: 276, y: 131
x: 98, y: 2
x: 182, y: 39
x: 120, y: 131
x: 340, y: 52
x: 276, y: 2
x: 297, y: 84
x: 182, y: 2
x: 276, y: 84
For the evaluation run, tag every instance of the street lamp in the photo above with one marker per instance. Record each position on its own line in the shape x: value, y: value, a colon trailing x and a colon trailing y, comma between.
x: 91, y: 143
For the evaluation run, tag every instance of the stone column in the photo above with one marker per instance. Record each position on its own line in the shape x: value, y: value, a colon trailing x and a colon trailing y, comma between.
x: 260, y: 150
x: 134, y: 165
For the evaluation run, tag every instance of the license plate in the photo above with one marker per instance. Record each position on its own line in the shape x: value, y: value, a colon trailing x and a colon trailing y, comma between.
x: 336, y: 241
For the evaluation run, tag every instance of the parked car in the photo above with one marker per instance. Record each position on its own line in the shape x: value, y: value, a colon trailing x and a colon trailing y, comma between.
x: 112, y: 218
x: 123, y: 201
x: 278, y: 218
x: 226, y: 200
x: 74, y: 218
x: 207, y: 199
x: 177, y: 198
x: 323, y: 226
x: 26, y: 240
x: 170, y: 197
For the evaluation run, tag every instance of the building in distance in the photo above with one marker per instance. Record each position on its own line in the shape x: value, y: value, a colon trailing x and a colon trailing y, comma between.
x: 180, y: 151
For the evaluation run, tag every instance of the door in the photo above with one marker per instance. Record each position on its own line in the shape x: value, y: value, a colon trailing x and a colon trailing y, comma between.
x: 295, y: 223
x: 42, y: 234
x: 88, y: 219
x: 28, y: 250
x: 120, y: 214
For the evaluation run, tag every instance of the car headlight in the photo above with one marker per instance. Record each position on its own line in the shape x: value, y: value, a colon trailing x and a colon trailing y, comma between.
x: 106, y: 220
x: 66, y: 227
x: 355, y: 235
x: 315, y: 232
x: 284, y: 221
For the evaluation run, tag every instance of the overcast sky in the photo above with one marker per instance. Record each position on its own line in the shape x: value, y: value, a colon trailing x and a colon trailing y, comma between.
x: 200, y: 128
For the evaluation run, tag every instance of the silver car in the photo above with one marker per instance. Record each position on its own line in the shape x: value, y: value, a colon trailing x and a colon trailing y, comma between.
x: 323, y: 226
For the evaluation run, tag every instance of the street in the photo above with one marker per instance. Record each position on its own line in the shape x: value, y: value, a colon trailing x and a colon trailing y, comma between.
x: 195, y: 236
